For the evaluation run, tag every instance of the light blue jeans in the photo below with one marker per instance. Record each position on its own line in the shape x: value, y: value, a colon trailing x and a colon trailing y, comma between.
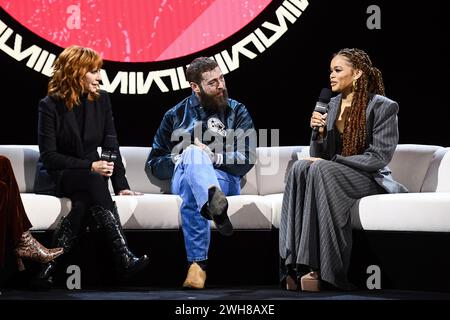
x: 194, y: 174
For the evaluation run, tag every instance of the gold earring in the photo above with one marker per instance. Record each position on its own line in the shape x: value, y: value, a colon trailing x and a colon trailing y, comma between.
x: 355, y: 85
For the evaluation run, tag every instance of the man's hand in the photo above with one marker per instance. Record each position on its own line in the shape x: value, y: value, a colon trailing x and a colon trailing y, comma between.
x: 205, y: 148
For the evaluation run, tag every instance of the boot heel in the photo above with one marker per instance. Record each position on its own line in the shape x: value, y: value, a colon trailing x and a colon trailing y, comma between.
x: 291, y: 283
x: 20, y: 264
x: 310, y: 282
x: 126, y: 263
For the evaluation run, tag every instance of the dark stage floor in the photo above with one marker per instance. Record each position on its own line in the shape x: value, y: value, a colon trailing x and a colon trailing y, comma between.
x: 215, y: 293
x: 263, y: 302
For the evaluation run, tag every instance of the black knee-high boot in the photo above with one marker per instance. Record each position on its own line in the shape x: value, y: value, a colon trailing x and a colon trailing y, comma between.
x: 125, y: 261
x: 62, y: 237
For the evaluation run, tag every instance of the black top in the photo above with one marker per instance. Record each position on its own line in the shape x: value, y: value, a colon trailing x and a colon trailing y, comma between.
x: 339, y: 140
x: 80, y: 111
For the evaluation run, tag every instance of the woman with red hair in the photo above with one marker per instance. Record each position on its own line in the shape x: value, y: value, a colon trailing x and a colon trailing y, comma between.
x: 75, y: 119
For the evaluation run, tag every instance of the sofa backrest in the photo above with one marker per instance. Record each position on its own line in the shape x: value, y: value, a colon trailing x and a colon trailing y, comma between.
x: 421, y: 168
x: 273, y: 165
x: 134, y: 159
x: 23, y: 159
x: 410, y: 165
x: 142, y: 180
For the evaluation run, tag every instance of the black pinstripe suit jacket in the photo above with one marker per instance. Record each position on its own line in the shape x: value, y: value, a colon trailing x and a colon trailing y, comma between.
x: 381, y: 141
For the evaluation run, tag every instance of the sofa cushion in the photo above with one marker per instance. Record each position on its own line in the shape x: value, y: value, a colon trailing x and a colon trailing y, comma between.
x: 45, y: 211
x: 276, y: 201
x: 162, y: 211
x: 403, y: 212
x: 395, y: 212
x: 149, y: 211
x: 249, y: 212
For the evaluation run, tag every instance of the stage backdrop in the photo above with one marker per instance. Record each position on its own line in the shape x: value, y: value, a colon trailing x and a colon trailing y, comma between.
x: 275, y: 55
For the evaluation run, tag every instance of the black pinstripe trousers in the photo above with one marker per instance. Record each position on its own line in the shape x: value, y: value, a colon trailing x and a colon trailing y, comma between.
x: 315, y: 227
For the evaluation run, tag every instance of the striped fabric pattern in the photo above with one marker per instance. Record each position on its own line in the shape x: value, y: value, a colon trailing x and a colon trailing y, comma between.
x: 315, y: 226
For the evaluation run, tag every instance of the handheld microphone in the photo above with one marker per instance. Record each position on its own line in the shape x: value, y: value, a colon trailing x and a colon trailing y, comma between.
x: 322, y: 104
x: 109, y: 149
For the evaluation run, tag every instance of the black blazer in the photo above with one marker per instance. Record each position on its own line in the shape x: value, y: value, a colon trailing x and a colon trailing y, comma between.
x: 62, y: 148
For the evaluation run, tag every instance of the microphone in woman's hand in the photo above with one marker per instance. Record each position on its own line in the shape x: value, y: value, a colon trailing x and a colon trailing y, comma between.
x: 322, y: 104
x: 109, y: 150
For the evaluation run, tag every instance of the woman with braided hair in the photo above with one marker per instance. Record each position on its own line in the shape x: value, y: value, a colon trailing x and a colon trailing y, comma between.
x: 350, y: 151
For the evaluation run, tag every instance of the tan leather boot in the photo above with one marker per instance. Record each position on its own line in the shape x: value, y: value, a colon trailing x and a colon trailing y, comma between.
x: 196, y: 277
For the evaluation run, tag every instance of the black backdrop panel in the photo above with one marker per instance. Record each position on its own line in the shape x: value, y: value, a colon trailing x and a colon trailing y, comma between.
x: 279, y: 86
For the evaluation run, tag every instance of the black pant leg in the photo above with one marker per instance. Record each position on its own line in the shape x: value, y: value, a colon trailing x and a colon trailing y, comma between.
x: 92, y: 183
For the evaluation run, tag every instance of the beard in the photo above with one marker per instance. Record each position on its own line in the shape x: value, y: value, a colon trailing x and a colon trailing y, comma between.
x: 212, y: 102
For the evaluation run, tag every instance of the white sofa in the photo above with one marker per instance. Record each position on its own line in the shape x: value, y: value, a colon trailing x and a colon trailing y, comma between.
x: 423, y: 169
x: 404, y: 234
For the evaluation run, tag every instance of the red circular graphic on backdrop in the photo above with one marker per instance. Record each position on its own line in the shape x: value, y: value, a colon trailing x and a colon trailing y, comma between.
x: 138, y: 30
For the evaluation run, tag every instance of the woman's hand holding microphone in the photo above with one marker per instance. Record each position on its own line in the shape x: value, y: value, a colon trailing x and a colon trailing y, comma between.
x: 106, y: 169
x: 319, y: 121
x: 102, y: 167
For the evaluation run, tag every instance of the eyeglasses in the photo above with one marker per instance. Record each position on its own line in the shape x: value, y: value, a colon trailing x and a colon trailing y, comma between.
x: 215, y: 82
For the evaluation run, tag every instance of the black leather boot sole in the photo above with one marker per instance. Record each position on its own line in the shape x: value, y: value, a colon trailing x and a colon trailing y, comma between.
x: 136, y: 267
x: 44, y: 280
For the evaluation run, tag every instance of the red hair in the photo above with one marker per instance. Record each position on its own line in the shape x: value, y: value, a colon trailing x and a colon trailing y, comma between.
x: 69, y: 70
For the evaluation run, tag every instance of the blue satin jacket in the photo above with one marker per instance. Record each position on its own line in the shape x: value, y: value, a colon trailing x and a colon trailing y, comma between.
x: 230, y: 134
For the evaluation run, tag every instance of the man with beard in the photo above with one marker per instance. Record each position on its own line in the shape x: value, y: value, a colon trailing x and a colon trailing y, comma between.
x: 217, y: 147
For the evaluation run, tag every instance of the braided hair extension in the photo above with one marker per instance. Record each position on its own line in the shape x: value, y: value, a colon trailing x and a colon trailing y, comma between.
x: 370, y: 82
